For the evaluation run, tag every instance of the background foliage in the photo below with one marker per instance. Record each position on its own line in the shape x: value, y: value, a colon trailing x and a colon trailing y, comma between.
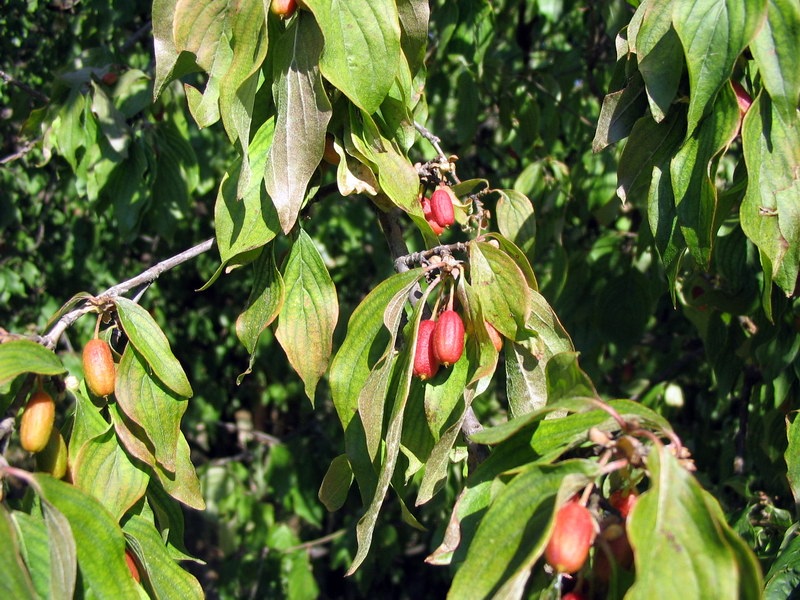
x: 681, y: 298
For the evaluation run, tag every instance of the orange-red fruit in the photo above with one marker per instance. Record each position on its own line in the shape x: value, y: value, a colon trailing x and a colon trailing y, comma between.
x: 448, y: 338
x: 573, y: 596
x: 37, y: 422
x: 98, y: 367
x: 573, y: 534
x: 110, y: 78
x: 425, y: 363
x: 437, y: 229
x: 616, y: 539
x: 283, y: 8
x: 495, y: 336
x: 132, y: 565
x: 442, y: 207
x: 623, y: 502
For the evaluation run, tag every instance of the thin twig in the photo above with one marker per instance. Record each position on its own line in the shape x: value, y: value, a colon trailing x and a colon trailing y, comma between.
x: 404, y: 263
x: 444, y: 162
x: 24, y: 87
x: 137, y: 35
x: 27, y: 147
x: 318, y: 542
x: 146, y: 277
x: 258, y: 436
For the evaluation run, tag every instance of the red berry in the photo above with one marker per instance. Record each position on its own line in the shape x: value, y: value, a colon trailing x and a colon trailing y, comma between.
x: 573, y: 534
x: 425, y: 363
x: 448, y: 338
x: 129, y: 560
x: 495, y: 336
x: 620, y: 550
x: 109, y: 78
x: 623, y: 502
x: 283, y: 8
x: 573, y: 596
x: 442, y: 207
x: 437, y: 229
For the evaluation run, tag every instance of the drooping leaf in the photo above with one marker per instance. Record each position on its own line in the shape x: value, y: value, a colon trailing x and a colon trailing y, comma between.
x: 365, y: 343
x: 303, y: 115
x: 245, y: 220
x: 168, y: 580
x: 620, y: 110
x: 23, y: 356
x: 182, y: 484
x: 362, y: 47
x: 171, y: 63
x: 516, y: 219
x: 681, y: 544
x: 265, y: 302
x: 501, y: 286
x: 693, y: 170
x: 414, y: 15
x: 526, y: 359
x: 663, y: 218
x: 309, y: 315
x: 776, y: 50
x: 784, y: 574
x: 713, y: 34
x: 98, y: 539
x: 103, y: 470
x: 152, y: 346
x: 63, y: 554
x: 16, y: 581
x: 660, y: 56
x: 649, y: 144
x: 147, y: 402
x: 769, y: 212
x: 87, y: 423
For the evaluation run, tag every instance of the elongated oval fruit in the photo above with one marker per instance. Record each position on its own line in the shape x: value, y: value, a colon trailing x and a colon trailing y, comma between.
x: 98, y: 367
x: 425, y: 363
x: 329, y: 154
x: 743, y: 99
x: 623, y: 502
x: 131, y: 562
x: 37, y: 422
x: 448, y: 338
x: 283, y: 8
x: 442, y: 207
x: 437, y: 229
x: 495, y: 336
x: 573, y: 534
x: 53, y: 459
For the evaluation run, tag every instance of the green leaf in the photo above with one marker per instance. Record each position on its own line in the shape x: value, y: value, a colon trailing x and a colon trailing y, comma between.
x: 103, y: 470
x: 619, y: 112
x: 649, y: 144
x: 713, y: 34
x: 776, y: 50
x: 147, y: 402
x: 63, y: 554
x: 34, y: 548
x: 660, y: 56
x: 514, y: 531
x: 769, y: 212
x: 308, y: 318
x: 398, y: 395
x: 565, y: 379
x: 792, y: 457
x: 166, y: 578
x: 265, y: 302
x: 87, y: 423
x: 170, y: 62
x: 183, y: 484
x: 693, y: 170
x: 303, y: 115
x: 336, y: 483
x: 152, y: 345
x: 111, y: 121
x: 365, y: 343
x: 414, y: 15
x: 516, y: 219
x: 16, y: 581
x: 501, y: 287
x: 663, y: 218
x: 250, y: 221
x: 526, y: 385
x: 362, y: 47
x: 442, y: 394
x: 677, y: 527
x: 23, y: 356
x: 784, y: 574
x: 519, y: 257
x: 99, y: 540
